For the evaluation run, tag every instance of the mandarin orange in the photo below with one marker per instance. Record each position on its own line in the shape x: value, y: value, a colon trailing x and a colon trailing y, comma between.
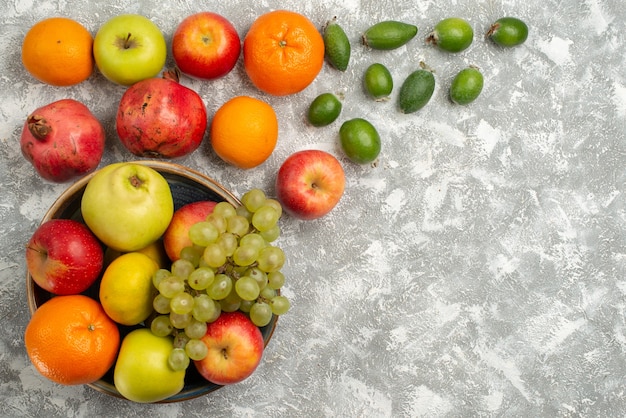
x: 71, y: 341
x: 58, y: 51
x: 244, y: 131
x: 283, y: 52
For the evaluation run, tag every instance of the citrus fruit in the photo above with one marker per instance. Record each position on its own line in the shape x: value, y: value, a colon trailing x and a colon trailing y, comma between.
x: 244, y: 131
x: 126, y: 289
x: 71, y: 340
x: 359, y: 140
x: 58, y: 51
x: 283, y: 52
x: 324, y: 110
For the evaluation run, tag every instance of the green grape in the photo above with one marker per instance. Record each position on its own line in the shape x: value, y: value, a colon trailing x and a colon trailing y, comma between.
x: 218, y: 221
x: 181, y: 303
x: 247, y: 288
x: 214, y: 255
x: 246, y: 305
x: 226, y: 209
x: 256, y: 240
x: 265, y: 218
x: 196, y: 349
x: 227, y: 305
x: 201, y: 278
x: 220, y: 288
x: 271, y: 234
x: 245, y: 255
x: 182, y: 268
x: 180, y: 321
x: 161, y: 326
x: 178, y: 359
x: 217, y: 311
x: 279, y: 304
x: 261, y: 314
x: 258, y: 275
x: 159, y: 275
x: 203, y: 308
x: 203, y: 233
x: 228, y: 242
x: 180, y: 339
x: 161, y: 304
x: 243, y: 211
x: 276, y: 205
x: 267, y: 293
x: 253, y: 199
x: 271, y: 259
x: 171, y: 286
x: 276, y: 279
x: 238, y: 225
x: 192, y: 253
x: 196, y: 329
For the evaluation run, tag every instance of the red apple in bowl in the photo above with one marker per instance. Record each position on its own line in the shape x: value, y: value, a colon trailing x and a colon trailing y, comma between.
x: 310, y: 183
x: 235, y: 349
x: 176, y: 236
x: 64, y: 257
x: 206, y: 46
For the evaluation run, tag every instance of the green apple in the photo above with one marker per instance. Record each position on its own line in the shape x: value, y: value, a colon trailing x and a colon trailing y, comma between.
x: 142, y: 373
x: 129, y: 48
x: 127, y: 205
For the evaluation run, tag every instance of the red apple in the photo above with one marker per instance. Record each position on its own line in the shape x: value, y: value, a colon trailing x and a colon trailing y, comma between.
x: 310, y: 183
x: 64, y: 257
x: 176, y: 236
x: 235, y: 349
x: 206, y: 45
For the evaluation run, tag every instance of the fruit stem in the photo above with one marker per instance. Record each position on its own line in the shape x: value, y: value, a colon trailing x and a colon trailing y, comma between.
x: 127, y: 41
x: 38, y: 127
x: 135, y: 181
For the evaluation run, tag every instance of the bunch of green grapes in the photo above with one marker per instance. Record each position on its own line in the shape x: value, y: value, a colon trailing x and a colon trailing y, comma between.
x: 232, y: 265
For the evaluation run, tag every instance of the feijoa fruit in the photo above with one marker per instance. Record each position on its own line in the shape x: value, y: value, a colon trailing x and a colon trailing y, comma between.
x: 359, y: 140
x: 508, y: 31
x: 324, y: 110
x: 466, y: 86
x: 378, y: 81
x: 452, y: 35
x: 336, y: 45
x: 389, y: 34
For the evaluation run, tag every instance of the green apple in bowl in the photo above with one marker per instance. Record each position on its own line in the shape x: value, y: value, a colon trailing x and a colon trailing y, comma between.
x: 129, y: 48
x: 128, y: 206
x: 142, y: 373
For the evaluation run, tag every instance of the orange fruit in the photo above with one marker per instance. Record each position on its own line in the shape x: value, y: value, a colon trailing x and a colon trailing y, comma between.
x: 244, y: 131
x: 71, y: 341
x: 58, y: 51
x: 283, y: 52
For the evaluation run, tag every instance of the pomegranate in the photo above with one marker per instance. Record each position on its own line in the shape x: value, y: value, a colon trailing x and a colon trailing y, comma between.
x: 63, y: 140
x: 161, y: 118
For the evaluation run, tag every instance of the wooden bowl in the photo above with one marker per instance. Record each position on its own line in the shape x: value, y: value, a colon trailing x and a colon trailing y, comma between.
x: 187, y: 186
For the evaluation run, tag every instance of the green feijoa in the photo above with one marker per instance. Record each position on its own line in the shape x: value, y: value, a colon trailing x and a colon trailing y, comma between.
x: 378, y: 81
x: 508, y: 31
x: 466, y: 86
x: 389, y: 34
x: 452, y: 35
x: 324, y: 110
x: 416, y: 90
x: 336, y: 45
x: 359, y: 140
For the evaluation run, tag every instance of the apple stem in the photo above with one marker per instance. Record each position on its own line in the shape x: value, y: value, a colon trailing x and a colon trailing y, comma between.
x: 135, y: 181
x: 38, y: 127
x: 127, y: 41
